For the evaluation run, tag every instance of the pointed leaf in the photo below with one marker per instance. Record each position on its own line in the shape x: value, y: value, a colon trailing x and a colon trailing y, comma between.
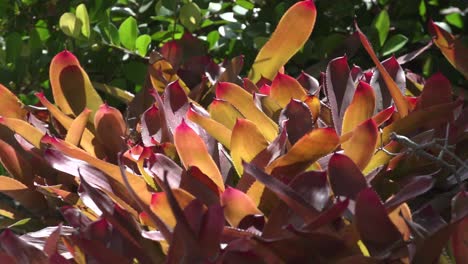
x: 300, y: 120
x: 361, y: 107
x: 345, y: 177
x: 397, y: 95
x: 20, y: 250
x: 284, y: 88
x: 237, y: 205
x: 309, y: 83
x: 415, y: 187
x: 361, y: 146
x: 375, y: 227
x: 246, y: 143
x: 71, y: 86
x: 11, y: 106
x: 30, y: 199
x: 150, y: 126
x: 77, y: 127
x: 452, y: 48
x: 224, y: 113
x: 307, y: 150
x: 160, y: 205
x: 193, y: 152
x: 284, y: 42
x: 437, y: 90
x: 243, y: 101
x: 24, y: 129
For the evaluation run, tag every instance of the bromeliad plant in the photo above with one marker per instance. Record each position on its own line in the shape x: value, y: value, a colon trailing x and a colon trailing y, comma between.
x: 267, y: 168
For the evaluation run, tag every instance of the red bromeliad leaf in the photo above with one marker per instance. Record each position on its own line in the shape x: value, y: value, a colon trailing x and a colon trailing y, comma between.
x: 71, y: 86
x: 29, y: 198
x: 437, y: 90
x: 339, y: 89
x: 345, y: 177
x: 360, y: 147
x: 200, y: 185
x: 284, y: 192
x: 249, y: 86
x: 265, y: 89
x: 160, y: 205
x: 161, y: 74
x: 284, y: 88
x: 11, y: 106
x: 246, y: 143
x: 452, y: 48
x: 24, y: 129
x: 173, y: 52
x: 16, y: 164
x: 361, y: 107
x: 19, y: 250
x: 423, y: 118
x: 232, y: 70
x: 327, y: 216
x: 151, y: 126
x: 110, y: 130
x: 415, y: 187
x: 375, y: 227
x: 215, y: 129
x: 309, y: 83
x: 77, y: 127
x: 211, y: 231
x: 160, y: 165
x: 458, y: 241
x: 299, y: 120
x: 396, y: 72
x: 243, y: 101
x: 224, y: 113
x: 193, y: 152
x: 382, y: 116
x: 284, y: 42
x: 397, y: 95
x: 237, y: 205
x: 307, y: 150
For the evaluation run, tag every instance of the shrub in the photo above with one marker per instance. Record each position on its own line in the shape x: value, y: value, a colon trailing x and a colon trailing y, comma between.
x: 207, y: 167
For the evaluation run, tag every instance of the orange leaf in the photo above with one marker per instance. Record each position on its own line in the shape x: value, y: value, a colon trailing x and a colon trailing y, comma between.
x: 243, y: 101
x: 246, y: 143
x: 16, y: 164
x: 397, y: 215
x: 308, y: 149
x: 30, y: 199
x: 383, y: 115
x: 452, y: 48
x: 71, y: 87
x: 10, y: 105
x: 87, y: 141
x: 361, y: 107
x: 110, y: 130
x: 193, y: 152
x: 398, y: 98
x: 160, y: 205
x: 290, y: 35
x: 381, y: 158
x: 237, y: 205
x: 361, y: 146
x: 24, y: 129
x: 77, y: 127
x: 313, y: 102
x: 224, y: 113
x: 215, y: 129
x: 161, y: 74
x: 284, y: 88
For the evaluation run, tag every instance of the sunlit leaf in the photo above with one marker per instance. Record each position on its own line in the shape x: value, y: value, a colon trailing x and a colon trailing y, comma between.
x: 361, y: 107
x: 284, y: 88
x: 11, y: 106
x: 77, y: 128
x: 360, y: 147
x: 128, y: 33
x: 82, y: 15
x: 237, y: 205
x: 30, y: 199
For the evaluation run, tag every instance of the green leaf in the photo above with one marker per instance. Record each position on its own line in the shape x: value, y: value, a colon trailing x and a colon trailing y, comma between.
x: 382, y: 25
x: 41, y: 27
x: 70, y: 25
x: 455, y: 19
x: 142, y: 43
x: 393, y: 44
x: 128, y: 33
x: 82, y: 15
x: 190, y: 16
x: 14, y: 45
x: 245, y: 4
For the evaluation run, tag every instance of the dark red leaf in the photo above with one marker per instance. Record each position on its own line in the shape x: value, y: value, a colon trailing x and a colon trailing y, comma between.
x: 75, y: 217
x: 339, y: 89
x: 20, y: 250
x: 413, y: 188
x: 52, y: 241
x: 211, y: 230
x: 300, y: 120
x: 437, y: 90
x: 159, y: 165
x: 382, y: 94
x: 375, y: 227
x: 327, y: 216
x: 346, y: 179
x: 200, y: 185
x: 309, y: 83
x: 313, y: 187
x: 151, y: 126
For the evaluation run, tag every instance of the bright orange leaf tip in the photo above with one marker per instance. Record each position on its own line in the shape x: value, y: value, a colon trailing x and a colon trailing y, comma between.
x: 243, y: 101
x: 290, y: 35
x: 395, y: 92
x: 361, y: 107
x: 193, y: 152
x: 452, y: 47
x: 237, y: 205
x: 361, y: 146
x: 71, y: 87
x: 284, y: 88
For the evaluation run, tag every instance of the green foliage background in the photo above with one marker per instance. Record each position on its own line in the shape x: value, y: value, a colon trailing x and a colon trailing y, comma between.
x: 115, y: 36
